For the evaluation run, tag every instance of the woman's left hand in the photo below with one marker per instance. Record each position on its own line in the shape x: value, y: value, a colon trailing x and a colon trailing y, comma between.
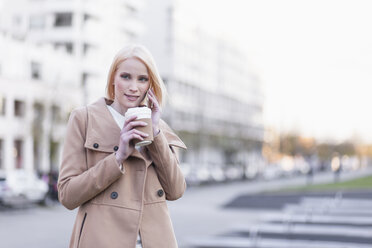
x: 155, y: 111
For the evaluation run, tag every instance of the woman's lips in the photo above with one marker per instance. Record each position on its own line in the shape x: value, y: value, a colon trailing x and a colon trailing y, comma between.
x: 131, y: 97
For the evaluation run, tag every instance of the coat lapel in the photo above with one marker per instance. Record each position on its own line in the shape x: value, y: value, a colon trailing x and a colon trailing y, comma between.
x: 101, y: 128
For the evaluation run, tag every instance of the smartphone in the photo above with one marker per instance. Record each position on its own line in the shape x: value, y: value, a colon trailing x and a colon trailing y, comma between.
x: 145, y: 101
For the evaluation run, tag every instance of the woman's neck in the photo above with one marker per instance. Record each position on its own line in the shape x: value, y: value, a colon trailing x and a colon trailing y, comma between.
x: 116, y: 105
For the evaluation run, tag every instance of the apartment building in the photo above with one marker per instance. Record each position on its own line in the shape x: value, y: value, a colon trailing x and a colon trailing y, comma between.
x: 36, y: 97
x: 215, y: 102
x: 55, y: 55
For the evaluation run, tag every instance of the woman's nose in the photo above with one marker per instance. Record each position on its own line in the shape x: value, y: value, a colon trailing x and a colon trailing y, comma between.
x: 133, y: 86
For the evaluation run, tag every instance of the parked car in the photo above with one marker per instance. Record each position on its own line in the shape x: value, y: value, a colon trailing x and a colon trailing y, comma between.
x: 217, y: 174
x: 234, y: 172
x: 2, y: 187
x: 272, y: 171
x: 198, y: 175
x: 20, y: 187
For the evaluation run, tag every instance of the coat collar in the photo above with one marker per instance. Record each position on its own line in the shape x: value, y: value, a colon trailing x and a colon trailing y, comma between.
x: 103, y: 130
x: 101, y: 127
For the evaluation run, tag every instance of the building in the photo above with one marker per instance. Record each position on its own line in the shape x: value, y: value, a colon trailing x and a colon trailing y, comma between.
x: 55, y: 55
x: 36, y: 97
x: 215, y: 102
x: 92, y: 31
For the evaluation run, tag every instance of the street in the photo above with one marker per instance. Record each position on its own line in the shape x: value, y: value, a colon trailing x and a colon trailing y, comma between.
x: 36, y: 227
x: 199, y: 213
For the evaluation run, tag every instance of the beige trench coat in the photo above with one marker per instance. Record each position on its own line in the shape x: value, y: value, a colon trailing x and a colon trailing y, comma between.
x: 114, y: 205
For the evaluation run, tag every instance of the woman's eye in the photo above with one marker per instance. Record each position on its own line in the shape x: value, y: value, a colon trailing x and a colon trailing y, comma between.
x: 125, y: 76
x: 143, y: 79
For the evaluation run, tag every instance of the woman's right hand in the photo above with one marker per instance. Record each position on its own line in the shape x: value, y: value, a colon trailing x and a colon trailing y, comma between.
x: 127, y: 134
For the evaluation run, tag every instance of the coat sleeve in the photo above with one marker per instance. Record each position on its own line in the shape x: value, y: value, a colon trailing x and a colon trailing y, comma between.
x: 76, y: 183
x: 166, y: 163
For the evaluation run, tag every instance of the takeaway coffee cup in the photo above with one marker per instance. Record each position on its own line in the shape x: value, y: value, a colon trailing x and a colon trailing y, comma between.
x: 143, y: 114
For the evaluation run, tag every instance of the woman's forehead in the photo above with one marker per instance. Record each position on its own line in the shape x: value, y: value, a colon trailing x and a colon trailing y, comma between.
x: 133, y: 65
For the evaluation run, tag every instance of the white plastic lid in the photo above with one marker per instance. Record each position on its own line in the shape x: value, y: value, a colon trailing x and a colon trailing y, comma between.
x: 140, y: 112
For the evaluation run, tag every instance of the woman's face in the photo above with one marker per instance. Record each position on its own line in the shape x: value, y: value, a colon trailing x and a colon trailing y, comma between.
x: 131, y: 83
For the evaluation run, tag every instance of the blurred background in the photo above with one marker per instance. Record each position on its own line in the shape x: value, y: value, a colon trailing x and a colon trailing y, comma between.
x: 272, y: 99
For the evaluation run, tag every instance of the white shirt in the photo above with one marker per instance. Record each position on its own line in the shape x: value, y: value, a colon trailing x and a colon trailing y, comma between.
x: 119, y: 118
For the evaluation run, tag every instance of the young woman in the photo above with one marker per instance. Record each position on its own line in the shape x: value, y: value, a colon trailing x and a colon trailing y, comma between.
x: 121, y: 191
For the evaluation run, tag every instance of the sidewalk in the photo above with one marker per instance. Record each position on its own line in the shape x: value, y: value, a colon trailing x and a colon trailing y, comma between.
x: 199, y: 212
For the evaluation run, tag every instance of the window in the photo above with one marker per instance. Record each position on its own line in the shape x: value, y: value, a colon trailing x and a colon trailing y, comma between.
x: 19, y: 108
x: 37, y: 133
x: 86, y: 48
x: 35, y: 70
x: 63, y: 20
x: 18, y: 153
x: 1, y: 154
x: 68, y: 46
x: 53, y: 148
x: 37, y: 153
x: 56, y: 114
x: 84, y: 79
x: 38, y: 112
x: 2, y: 105
x: 87, y: 17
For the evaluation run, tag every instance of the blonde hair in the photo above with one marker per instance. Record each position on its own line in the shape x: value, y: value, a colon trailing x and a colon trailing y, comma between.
x: 141, y: 53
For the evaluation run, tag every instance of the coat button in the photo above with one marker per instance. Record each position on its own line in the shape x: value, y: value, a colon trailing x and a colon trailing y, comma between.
x: 160, y: 192
x: 95, y: 145
x: 116, y: 148
x: 114, y: 195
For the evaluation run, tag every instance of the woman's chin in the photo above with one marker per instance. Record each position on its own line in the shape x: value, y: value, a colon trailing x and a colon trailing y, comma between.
x: 129, y: 104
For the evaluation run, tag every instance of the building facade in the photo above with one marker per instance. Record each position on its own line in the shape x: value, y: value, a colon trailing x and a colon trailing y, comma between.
x: 36, y: 97
x: 55, y: 56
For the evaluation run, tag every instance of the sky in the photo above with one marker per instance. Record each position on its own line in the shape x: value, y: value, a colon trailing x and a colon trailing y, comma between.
x: 313, y: 58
